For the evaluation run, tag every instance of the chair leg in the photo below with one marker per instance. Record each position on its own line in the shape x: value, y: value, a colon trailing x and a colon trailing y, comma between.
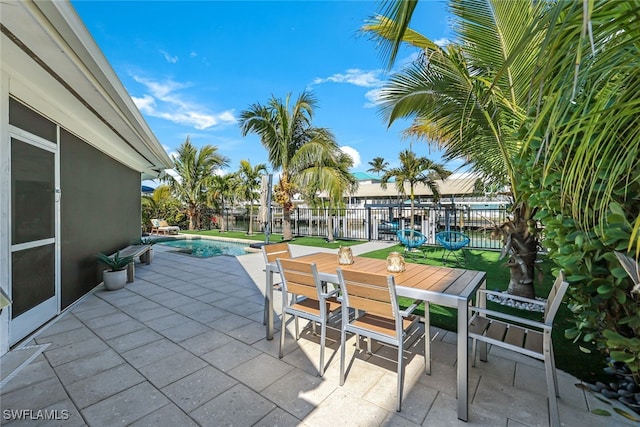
x: 295, y: 319
x: 282, y: 332
x: 427, y: 339
x: 343, y: 345
x: 400, y: 377
x: 323, y: 336
x: 553, y: 369
x: 552, y: 385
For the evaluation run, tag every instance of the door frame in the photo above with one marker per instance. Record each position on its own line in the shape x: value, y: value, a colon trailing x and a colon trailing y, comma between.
x: 27, y: 322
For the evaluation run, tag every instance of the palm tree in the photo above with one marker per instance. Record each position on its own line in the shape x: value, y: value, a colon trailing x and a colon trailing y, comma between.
x: 470, y: 97
x: 378, y: 165
x: 221, y: 190
x: 195, y: 167
x: 294, y: 145
x: 415, y: 170
x: 588, y: 83
x: 250, y: 180
x: 337, y: 181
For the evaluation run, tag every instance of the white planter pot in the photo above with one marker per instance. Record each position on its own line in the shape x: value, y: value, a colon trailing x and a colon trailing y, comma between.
x: 114, y: 280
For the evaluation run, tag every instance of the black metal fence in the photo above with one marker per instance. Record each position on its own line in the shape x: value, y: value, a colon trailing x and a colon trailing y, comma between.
x: 375, y: 223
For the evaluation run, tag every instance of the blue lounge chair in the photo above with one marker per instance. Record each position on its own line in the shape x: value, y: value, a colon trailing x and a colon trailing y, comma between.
x: 452, y: 242
x: 412, y: 240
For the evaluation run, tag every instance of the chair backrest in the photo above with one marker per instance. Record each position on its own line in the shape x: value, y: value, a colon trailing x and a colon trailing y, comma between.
x: 411, y: 238
x: 369, y: 292
x: 299, y: 278
x: 155, y: 222
x: 555, y: 297
x: 276, y: 250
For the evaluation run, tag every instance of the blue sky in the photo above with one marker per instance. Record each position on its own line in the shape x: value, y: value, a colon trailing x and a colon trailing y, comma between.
x: 192, y: 67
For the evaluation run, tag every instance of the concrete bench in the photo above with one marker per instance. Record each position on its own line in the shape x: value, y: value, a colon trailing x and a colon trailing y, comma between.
x: 135, y: 251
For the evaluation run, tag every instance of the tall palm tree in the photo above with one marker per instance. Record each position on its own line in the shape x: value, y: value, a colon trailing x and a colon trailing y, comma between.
x: 294, y: 145
x: 415, y: 170
x: 195, y: 167
x: 221, y: 191
x: 378, y: 165
x: 337, y: 182
x: 470, y: 97
x: 250, y: 180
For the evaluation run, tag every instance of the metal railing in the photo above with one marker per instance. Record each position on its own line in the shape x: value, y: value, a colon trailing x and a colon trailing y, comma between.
x: 376, y: 223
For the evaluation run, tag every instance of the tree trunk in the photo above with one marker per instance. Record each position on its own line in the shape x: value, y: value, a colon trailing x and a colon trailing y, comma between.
x: 191, y: 214
x: 251, y: 218
x: 521, y: 245
x: 412, y: 222
x: 222, y: 229
x: 286, y: 224
x: 330, y: 236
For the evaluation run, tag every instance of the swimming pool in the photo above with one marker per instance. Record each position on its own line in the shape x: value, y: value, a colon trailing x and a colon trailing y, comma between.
x: 205, y: 248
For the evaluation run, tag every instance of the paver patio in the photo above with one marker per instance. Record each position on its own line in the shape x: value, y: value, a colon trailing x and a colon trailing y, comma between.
x: 185, y: 345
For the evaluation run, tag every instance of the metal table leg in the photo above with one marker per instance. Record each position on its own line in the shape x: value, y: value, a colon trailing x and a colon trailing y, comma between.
x: 463, y: 361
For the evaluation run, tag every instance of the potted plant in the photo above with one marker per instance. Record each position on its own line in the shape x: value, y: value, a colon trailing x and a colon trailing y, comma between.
x: 147, y: 257
x: 116, y: 277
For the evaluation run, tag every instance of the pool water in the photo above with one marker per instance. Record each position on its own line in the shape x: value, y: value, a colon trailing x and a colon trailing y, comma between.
x: 204, y: 248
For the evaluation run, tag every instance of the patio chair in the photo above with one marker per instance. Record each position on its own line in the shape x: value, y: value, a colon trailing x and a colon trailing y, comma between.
x: 377, y: 316
x: 271, y: 253
x: 309, y: 300
x: 453, y: 242
x: 521, y: 335
x: 160, y: 226
x: 412, y: 240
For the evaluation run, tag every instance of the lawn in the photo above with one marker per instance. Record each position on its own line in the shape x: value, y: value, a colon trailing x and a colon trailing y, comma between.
x: 568, y: 356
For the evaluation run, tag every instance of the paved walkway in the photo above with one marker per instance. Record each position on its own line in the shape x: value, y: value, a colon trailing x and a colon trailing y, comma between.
x: 184, y: 345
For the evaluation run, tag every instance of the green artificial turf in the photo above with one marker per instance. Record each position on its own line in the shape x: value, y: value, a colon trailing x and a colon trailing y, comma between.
x: 569, y: 358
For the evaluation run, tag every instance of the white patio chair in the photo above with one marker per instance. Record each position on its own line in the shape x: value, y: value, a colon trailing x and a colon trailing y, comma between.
x: 521, y: 335
x: 271, y: 253
x: 377, y: 316
x: 309, y: 300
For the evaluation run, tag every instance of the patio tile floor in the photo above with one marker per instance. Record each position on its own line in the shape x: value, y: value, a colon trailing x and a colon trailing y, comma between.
x: 184, y: 345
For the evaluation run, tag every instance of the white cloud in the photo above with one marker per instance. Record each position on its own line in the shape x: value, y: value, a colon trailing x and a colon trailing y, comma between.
x: 168, y: 57
x: 373, y: 98
x: 442, y: 42
x: 193, y: 54
x: 355, y: 77
x: 165, y: 101
x: 144, y: 104
x: 355, y: 155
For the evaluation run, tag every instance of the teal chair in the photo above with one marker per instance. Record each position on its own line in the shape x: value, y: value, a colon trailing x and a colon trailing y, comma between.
x: 411, y: 240
x: 453, y: 242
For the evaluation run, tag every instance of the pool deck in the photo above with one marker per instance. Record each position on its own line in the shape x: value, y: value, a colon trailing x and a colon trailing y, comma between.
x: 184, y: 345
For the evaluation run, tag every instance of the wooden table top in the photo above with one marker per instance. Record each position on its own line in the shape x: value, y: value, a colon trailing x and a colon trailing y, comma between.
x: 417, y: 278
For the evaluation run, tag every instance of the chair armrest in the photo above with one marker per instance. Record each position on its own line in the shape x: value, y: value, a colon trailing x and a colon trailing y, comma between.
x: 510, y: 318
x: 509, y: 296
x: 409, y: 310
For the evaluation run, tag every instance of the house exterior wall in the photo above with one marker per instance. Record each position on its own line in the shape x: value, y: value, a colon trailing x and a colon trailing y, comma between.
x: 51, y: 67
x: 100, y: 212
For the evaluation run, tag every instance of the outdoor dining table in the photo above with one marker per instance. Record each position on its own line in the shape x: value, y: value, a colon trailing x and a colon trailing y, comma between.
x: 451, y: 287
